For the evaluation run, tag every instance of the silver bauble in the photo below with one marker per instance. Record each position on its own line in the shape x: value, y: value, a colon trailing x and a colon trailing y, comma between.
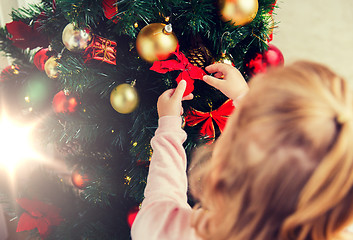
x: 76, y: 39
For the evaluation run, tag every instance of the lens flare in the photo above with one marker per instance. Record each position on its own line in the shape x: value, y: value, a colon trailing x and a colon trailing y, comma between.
x: 15, y: 143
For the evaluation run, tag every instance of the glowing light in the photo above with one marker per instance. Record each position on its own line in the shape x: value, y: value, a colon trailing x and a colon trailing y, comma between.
x: 127, y: 180
x: 15, y: 144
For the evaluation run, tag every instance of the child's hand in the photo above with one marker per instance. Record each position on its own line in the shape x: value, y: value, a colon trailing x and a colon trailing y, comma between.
x: 169, y: 103
x: 233, y: 84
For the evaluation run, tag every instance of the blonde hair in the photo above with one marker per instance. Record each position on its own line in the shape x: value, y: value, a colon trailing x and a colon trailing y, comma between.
x: 283, y: 168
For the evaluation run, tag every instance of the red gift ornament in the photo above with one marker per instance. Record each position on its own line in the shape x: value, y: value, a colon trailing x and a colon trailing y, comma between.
x: 189, y: 71
x: 259, y: 62
x: 110, y: 8
x: 101, y: 49
x: 218, y: 116
x: 65, y: 103
x: 38, y: 215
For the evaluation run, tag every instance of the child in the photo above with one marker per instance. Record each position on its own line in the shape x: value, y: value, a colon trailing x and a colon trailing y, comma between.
x: 281, y: 170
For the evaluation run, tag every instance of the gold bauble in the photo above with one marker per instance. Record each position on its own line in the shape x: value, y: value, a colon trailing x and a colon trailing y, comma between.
x: 156, y: 41
x: 51, y: 68
x: 124, y: 98
x: 76, y: 39
x: 239, y: 12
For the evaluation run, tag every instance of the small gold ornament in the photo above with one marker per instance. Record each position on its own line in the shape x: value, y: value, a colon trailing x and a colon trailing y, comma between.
x: 156, y: 41
x: 51, y: 68
x: 239, y: 12
x: 124, y: 98
x: 76, y: 39
x: 225, y: 58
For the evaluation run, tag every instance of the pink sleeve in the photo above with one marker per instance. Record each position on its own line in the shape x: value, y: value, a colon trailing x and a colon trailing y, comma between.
x: 3, y: 225
x: 165, y: 213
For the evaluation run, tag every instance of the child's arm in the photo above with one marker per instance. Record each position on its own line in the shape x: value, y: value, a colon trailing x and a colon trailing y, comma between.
x: 232, y: 84
x: 164, y: 213
x: 3, y: 225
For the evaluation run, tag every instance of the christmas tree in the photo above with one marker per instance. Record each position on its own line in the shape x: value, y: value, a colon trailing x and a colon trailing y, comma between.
x: 85, y: 78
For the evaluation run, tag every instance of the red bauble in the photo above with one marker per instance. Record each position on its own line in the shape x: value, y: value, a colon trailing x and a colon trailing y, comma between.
x: 40, y: 58
x: 79, y: 180
x: 131, y: 215
x: 259, y: 62
x: 65, y: 103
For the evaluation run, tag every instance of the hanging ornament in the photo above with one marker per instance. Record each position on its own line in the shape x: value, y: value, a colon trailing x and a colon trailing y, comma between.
x: 110, y: 9
x: 124, y: 98
x: 40, y: 58
x: 259, y: 62
x: 200, y: 57
x: 131, y: 215
x: 189, y: 71
x: 78, y: 179
x: 51, y: 68
x: 225, y: 58
x: 63, y: 102
x: 156, y: 41
x: 219, y: 116
x: 238, y: 12
x: 38, y: 215
x: 76, y: 39
x: 101, y: 49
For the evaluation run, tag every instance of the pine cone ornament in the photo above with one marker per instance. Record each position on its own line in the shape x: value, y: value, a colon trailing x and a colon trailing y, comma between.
x: 200, y: 57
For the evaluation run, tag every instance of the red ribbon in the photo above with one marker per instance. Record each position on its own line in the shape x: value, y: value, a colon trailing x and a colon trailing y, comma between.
x: 101, y: 49
x: 219, y: 116
x: 189, y: 71
x: 38, y: 215
x: 110, y: 8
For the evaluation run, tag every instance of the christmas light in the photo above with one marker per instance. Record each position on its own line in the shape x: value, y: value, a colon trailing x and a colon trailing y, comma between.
x: 15, y: 143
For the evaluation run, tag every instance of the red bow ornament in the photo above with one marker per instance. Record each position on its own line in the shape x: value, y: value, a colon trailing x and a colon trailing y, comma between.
x: 189, y: 71
x: 219, y: 116
x: 24, y: 36
x: 38, y: 215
